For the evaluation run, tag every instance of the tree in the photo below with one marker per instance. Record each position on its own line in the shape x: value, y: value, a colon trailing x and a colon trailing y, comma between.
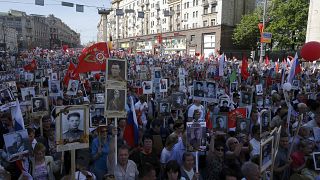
x: 246, y: 33
x: 288, y: 23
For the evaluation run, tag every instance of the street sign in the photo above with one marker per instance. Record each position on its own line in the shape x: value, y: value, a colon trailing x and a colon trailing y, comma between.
x: 266, y: 37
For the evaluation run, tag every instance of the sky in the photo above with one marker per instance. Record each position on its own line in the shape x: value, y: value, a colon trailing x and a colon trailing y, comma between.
x: 84, y: 23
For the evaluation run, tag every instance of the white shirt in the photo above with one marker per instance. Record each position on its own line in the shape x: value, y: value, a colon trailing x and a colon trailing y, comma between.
x: 140, y: 107
x: 165, y: 156
x: 34, y: 142
x: 79, y: 176
x: 255, y: 147
x: 130, y: 173
x: 189, y: 173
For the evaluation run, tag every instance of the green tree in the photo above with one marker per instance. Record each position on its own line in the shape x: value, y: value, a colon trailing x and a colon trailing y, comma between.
x: 288, y: 23
x: 246, y: 32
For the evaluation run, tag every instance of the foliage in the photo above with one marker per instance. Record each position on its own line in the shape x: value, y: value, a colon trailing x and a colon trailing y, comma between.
x: 285, y: 19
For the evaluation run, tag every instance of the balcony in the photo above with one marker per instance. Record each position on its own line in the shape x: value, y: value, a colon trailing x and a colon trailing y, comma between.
x: 213, y: 2
x: 157, y: 6
x: 205, y: 3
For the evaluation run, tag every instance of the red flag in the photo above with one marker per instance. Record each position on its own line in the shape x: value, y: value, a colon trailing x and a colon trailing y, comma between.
x: 239, y: 113
x: 244, y: 68
x: 93, y: 58
x: 30, y: 67
x: 208, y: 121
x: 70, y: 74
x: 65, y: 47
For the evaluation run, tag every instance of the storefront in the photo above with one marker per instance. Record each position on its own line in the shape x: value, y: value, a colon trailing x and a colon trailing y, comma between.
x: 209, y: 41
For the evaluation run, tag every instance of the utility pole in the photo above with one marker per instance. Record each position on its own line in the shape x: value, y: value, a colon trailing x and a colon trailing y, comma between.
x: 263, y: 25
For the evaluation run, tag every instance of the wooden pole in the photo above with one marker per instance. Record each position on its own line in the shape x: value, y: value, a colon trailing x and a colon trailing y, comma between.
x: 73, y: 163
x: 41, y: 128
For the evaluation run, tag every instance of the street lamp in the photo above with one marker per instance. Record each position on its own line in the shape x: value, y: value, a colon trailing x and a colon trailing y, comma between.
x: 263, y: 24
x: 105, y: 12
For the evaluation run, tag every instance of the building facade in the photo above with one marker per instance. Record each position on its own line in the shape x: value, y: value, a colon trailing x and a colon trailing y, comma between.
x: 8, y: 39
x: 38, y: 30
x: 185, y: 26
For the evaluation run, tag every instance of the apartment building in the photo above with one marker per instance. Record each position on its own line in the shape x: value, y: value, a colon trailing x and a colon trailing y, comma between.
x: 183, y: 26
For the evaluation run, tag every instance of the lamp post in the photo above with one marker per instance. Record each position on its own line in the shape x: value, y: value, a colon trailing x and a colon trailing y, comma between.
x: 263, y: 24
x: 105, y: 12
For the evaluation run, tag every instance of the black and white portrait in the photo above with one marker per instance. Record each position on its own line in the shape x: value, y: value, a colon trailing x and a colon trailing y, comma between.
x: 246, y: 98
x: 295, y: 84
x: 265, y: 120
x: 178, y: 100
x: 138, y: 83
x: 72, y: 125
x: 259, y: 89
x: 6, y: 96
x: 220, y: 122
x: 163, y: 85
x: 164, y: 108
x: 16, y: 144
x: 211, y: 90
x: 259, y: 102
x: 116, y: 70
x: 147, y: 87
x: 115, y: 100
x: 157, y: 74
x: 97, y: 117
x: 54, y: 76
x: 198, y: 89
x: 38, y: 74
x: 212, y: 72
x: 234, y: 87
x: 54, y: 88
x: 2, y: 67
x: 99, y: 98
x: 196, y: 136
x: 72, y: 87
x: 243, y: 125
x: 28, y: 93
x: 29, y: 77
x: 39, y: 104
x: 267, y: 102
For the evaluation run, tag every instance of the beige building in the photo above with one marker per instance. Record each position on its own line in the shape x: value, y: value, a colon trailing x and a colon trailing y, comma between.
x: 9, y: 37
x: 184, y: 26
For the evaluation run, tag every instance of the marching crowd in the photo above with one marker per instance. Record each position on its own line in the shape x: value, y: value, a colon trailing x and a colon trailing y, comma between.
x: 260, y: 123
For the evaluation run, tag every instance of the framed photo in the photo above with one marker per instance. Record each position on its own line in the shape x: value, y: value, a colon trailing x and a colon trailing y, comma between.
x: 233, y: 87
x: 137, y: 83
x: 316, y: 160
x: 99, y: 98
x: 115, y: 102
x: 38, y: 74
x: 12, y: 85
x: 6, y: 96
x: 259, y: 102
x: 198, y: 89
x: 96, y: 87
x: 164, y: 108
x: 246, y: 98
x: 3, y: 67
x: 266, y: 153
x: 267, y: 102
x: 182, y: 72
x: 212, y: 72
x: 196, y: 136
x: 259, y: 89
x: 243, y: 125
x: 16, y: 143
x: 265, y: 120
x: 116, y: 72
x: 295, y: 84
x: 29, y: 77
x: 211, y: 90
x: 220, y: 122
x: 157, y: 73
x: 163, y: 85
x: 97, y: 116
x: 54, y: 88
x: 43, y: 92
x: 72, y: 87
x: 178, y: 100
x: 147, y: 87
x: 54, y: 77
x: 72, y: 128
x: 39, y: 105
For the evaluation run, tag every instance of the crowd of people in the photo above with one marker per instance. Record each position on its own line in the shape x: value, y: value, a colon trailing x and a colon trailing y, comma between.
x: 217, y: 118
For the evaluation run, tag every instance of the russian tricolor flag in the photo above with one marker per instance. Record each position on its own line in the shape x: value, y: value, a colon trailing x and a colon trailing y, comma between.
x: 131, y: 132
x: 295, y: 69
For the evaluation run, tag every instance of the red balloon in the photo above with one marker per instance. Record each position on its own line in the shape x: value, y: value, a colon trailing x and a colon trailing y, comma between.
x: 197, y: 54
x: 97, y: 76
x: 310, y: 51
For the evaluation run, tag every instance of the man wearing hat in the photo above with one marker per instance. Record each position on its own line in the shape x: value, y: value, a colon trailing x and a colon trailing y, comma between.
x: 73, y: 133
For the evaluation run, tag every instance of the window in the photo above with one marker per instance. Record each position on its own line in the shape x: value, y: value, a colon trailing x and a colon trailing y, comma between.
x: 205, y: 11
x: 193, y: 25
x: 184, y: 26
x: 152, y: 14
x: 213, y: 8
x: 194, y: 3
x: 178, y: 7
x: 209, y: 41
x: 194, y: 13
x: 187, y: 15
x: 187, y: 4
x: 197, y: 1
x: 213, y: 22
x: 196, y: 25
x: 152, y: 5
x: 205, y: 23
x: 164, y: 20
x: 192, y: 37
